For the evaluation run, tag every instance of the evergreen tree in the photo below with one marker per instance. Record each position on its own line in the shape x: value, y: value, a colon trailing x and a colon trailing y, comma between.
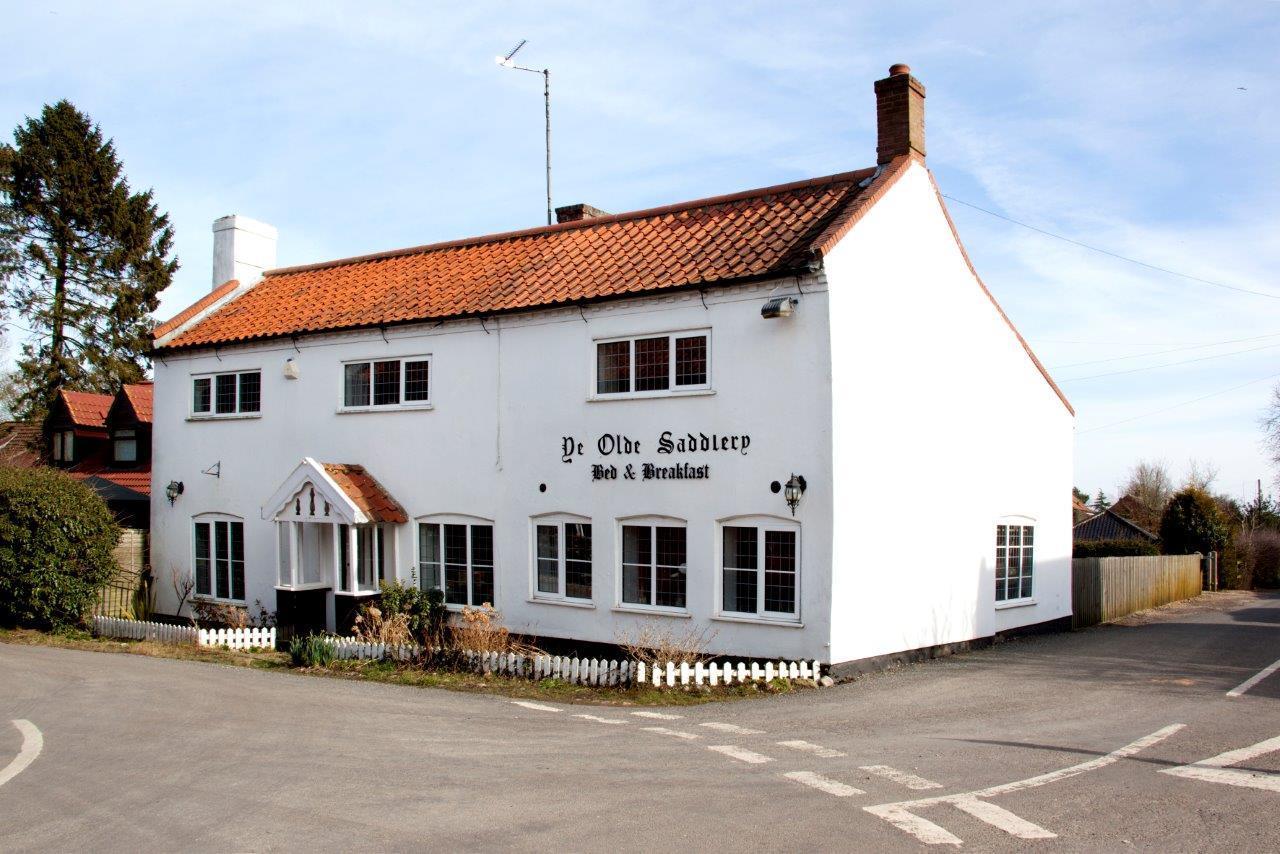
x: 83, y: 258
x: 1101, y: 502
x: 1193, y: 522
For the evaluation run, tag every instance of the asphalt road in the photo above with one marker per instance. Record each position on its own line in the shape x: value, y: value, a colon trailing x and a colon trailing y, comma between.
x: 1072, y: 742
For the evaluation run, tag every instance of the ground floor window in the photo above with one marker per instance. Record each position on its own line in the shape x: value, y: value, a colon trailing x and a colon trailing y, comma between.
x: 1015, y: 546
x: 219, y: 558
x: 457, y: 557
x: 760, y: 565
x: 562, y: 558
x: 654, y: 565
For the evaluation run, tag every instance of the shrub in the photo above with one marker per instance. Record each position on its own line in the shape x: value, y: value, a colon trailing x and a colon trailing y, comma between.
x: 405, y: 613
x: 1193, y: 522
x: 209, y: 614
x: 478, y: 630
x: 311, y: 651
x: 657, y: 643
x: 1114, y: 548
x: 1259, y: 558
x: 56, y: 538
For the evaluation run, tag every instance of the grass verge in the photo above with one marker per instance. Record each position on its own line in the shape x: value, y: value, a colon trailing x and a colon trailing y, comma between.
x: 391, y: 673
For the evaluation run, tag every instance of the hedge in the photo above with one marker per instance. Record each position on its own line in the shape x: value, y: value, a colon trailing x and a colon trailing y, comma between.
x: 56, y: 539
x: 1114, y: 548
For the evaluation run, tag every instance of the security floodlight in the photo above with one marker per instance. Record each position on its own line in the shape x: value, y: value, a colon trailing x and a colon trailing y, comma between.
x: 779, y: 307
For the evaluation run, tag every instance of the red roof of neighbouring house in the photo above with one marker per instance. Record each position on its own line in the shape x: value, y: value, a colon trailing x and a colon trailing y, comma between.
x: 86, y: 408
x: 139, y: 395
x: 366, y: 493
x: 19, y: 444
x: 137, y: 480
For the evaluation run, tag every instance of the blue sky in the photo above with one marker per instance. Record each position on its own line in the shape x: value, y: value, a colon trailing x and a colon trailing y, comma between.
x: 1148, y: 129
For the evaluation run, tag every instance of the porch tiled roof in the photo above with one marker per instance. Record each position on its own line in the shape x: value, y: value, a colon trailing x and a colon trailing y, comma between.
x: 366, y: 493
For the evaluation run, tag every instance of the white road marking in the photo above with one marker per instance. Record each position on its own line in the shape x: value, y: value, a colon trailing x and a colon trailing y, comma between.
x: 901, y: 814
x: 823, y: 784
x: 32, y: 744
x: 535, y: 706
x: 600, y: 720
x: 1216, y: 768
x: 921, y: 828
x: 1244, y: 686
x: 734, y: 728
x: 809, y: 747
x: 674, y: 733
x: 911, y: 781
x: 1003, y: 819
x: 661, y: 716
x: 741, y: 754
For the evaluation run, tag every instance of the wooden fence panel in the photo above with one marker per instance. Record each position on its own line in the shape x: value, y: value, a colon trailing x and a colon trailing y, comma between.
x: 1107, y: 588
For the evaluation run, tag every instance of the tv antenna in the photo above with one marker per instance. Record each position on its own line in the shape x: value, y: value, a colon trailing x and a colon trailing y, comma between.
x: 508, y: 61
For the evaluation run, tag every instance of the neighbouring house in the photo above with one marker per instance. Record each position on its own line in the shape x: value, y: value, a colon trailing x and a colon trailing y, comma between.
x: 715, y: 414
x: 1079, y: 510
x: 20, y: 444
x: 1113, y: 525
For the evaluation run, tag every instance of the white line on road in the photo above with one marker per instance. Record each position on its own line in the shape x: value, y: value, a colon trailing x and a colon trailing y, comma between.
x: 600, y: 720
x: 1216, y: 768
x: 911, y: 781
x: 809, y: 747
x: 1244, y: 686
x: 901, y: 816
x: 661, y: 716
x: 535, y: 706
x: 733, y: 728
x: 674, y: 733
x: 823, y: 784
x: 32, y: 744
x: 1001, y: 818
x: 741, y: 754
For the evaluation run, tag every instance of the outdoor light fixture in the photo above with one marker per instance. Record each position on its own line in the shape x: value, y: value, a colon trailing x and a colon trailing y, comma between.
x: 779, y: 307
x: 793, y: 490
x: 173, y: 490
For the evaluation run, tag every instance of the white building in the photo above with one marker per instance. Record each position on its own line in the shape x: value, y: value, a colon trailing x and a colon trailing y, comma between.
x: 591, y: 425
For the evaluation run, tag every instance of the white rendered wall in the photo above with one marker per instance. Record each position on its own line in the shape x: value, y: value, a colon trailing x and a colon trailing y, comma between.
x: 941, y: 426
x: 505, y: 395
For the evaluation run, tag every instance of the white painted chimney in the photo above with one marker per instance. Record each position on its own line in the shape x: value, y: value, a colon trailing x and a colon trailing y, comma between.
x: 243, y: 249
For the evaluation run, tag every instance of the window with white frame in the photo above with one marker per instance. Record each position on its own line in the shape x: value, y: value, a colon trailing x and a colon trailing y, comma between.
x: 654, y: 565
x: 760, y: 564
x: 362, y: 558
x: 456, y: 556
x: 218, y: 549
x: 1015, y: 559
x: 562, y: 558
x: 227, y: 394
x: 378, y: 383
x: 653, y: 364
x: 125, y: 446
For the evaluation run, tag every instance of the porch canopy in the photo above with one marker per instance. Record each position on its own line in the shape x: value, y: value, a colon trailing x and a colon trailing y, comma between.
x: 332, y: 520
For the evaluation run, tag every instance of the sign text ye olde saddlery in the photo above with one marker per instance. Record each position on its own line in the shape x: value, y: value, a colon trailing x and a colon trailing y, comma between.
x: 669, y: 443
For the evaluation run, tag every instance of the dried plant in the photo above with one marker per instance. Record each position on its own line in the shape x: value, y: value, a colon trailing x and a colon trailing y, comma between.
x: 478, y: 630
x: 183, y: 584
x: 208, y: 613
x: 372, y: 626
x: 657, y: 643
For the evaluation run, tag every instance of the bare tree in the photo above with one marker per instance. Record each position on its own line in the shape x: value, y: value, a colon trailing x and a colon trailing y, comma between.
x: 1271, y: 427
x: 183, y: 584
x: 1150, y: 487
x: 1200, y: 475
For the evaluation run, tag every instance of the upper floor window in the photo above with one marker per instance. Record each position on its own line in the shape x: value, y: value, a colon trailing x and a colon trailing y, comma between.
x: 219, y: 557
x: 655, y: 567
x: 562, y: 558
x: 125, y: 446
x: 64, y: 446
x: 457, y: 557
x: 760, y: 566
x: 232, y: 393
x: 653, y: 364
x: 1015, y: 547
x: 387, y: 382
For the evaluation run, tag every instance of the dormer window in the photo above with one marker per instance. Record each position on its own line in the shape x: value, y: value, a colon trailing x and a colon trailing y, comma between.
x: 64, y: 446
x: 125, y: 446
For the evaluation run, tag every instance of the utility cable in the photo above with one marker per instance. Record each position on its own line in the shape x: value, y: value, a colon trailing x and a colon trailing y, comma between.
x: 1178, y: 405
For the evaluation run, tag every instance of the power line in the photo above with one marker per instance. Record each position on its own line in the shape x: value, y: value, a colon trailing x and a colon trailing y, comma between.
x: 1111, y: 254
x: 1163, y: 352
x: 1170, y: 364
x: 1178, y: 405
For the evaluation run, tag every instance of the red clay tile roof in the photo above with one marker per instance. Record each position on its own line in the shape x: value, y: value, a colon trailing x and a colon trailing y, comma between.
x: 754, y: 234
x: 139, y: 395
x: 195, y: 308
x: 366, y: 493
x: 86, y: 408
x: 138, y: 480
x: 19, y: 444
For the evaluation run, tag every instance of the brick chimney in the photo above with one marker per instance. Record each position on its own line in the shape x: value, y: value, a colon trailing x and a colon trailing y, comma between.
x: 574, y: 213
x: 899, y: 115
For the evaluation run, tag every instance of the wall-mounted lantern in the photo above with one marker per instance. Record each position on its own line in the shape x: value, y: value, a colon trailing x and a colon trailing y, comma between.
x: 779, y: 307
x: 173, y: 490
x: 793, y: 491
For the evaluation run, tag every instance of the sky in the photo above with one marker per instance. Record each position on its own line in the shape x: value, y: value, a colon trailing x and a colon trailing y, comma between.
x: 1148, y: 130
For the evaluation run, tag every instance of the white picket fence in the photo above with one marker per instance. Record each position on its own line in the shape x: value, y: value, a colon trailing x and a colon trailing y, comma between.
x: 596, y: 671
x: 118, y: 627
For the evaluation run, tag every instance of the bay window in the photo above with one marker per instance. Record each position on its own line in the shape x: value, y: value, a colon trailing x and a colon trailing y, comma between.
x: 648, y: 365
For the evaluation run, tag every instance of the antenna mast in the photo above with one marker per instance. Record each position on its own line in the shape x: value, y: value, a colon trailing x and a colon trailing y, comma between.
x: 508, y: 61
